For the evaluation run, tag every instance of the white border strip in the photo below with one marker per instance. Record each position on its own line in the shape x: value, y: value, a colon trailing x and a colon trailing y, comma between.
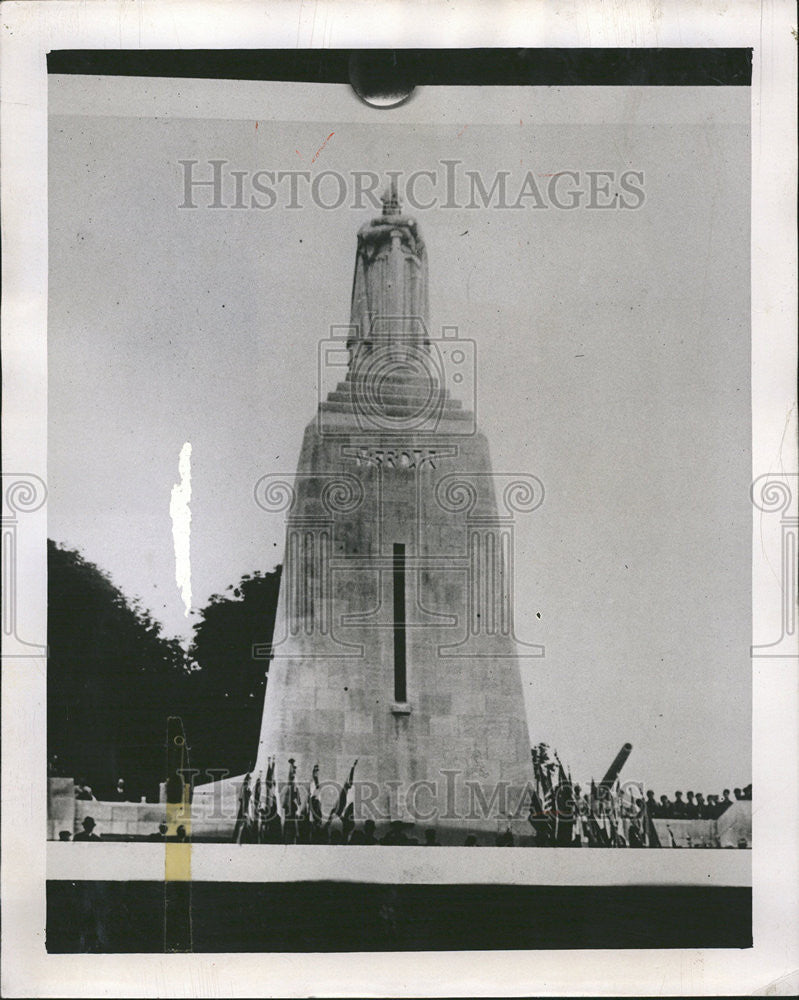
x: 427, y: 866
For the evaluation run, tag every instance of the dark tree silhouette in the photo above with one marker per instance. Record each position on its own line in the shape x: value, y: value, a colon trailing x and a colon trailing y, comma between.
x: 112, y: 680
x: 228, y: 681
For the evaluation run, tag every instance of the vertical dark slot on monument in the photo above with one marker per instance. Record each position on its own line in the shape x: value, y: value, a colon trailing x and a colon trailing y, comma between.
x: 400, y: 686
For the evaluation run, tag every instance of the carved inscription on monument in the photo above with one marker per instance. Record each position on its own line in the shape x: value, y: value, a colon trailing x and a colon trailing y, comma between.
x: 397, y: 458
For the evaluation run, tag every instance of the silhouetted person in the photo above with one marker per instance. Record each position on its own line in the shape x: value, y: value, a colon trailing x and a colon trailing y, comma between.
x: 292, y: 807
x: 369, y: 832
x: 64, y: 835
x: 180, y: 833
x: 319, y: 834
x: 678, y: 806
x: 701, y: 807
x: 335, y: 826
x: 430, y: 838
x: 738, y: 794
x: 83, y: 791
x: 271, y: 825
x: 691, y: 810
x: 162, y: 832
x: 357, y: 838
x: 651, y: 804
x: 713, y: 807
x: 336, y: 837
x: 747, y: 793
x: 87, y: 833
x: 504, y: 839
x: 665, y: 810
x: 120, y: 794
x: 471, y: 841
x: 396, y: 836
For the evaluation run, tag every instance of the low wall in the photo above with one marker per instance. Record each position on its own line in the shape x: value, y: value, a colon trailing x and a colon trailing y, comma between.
x: 126, y: 820
x: 735, y: 824
x: 60, y: 806
x: 141, y: 819
x: 731, y: 828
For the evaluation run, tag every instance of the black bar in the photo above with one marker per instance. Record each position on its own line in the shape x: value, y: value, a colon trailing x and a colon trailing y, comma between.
x: 434, y: 67
x: 400, y: 667
x: 114, y: 917
x: 177, y: 916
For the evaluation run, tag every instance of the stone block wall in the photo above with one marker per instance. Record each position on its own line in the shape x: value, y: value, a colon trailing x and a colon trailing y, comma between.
x: 331, y: 693
x: 211, y: 816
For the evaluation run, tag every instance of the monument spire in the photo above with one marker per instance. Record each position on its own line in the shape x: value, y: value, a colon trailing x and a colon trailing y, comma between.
x: 394, y: 640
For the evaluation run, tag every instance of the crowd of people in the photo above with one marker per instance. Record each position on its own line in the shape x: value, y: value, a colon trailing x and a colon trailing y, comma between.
x: 695, y: 806
x: 613, y: 815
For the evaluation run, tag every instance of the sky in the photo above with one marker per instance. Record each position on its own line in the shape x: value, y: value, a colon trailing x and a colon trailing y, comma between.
x: 612, y: 363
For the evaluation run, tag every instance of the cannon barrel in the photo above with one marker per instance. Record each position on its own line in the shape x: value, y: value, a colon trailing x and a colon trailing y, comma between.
x: 618, y: 763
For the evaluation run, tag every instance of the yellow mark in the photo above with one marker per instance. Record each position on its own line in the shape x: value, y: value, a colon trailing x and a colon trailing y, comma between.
x: 177, y: 861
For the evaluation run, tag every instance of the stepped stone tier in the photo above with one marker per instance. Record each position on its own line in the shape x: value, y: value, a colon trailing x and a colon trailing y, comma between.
x: 394, y: 642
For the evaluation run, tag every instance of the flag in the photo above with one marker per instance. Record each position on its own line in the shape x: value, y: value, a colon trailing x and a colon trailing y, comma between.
x: 269, y: 792
x: 272, y: 802
x: 564, y: 808
x: 592, y: 832
x: 242, y: 816
x: 546, y: 827
x: 617, y: 805
x: 292, y: 800
x: 344, y: 809
x: 651, y: 838
x: 252, y: 821
x: 598, y: 824
x: 271, y: 826
x: 260, y: 821
x: 535, y: 817
x: 314, y: 800
x: 577, y: 831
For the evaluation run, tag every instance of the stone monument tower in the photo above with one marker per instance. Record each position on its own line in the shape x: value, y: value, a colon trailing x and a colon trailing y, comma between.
x: 394, y: 642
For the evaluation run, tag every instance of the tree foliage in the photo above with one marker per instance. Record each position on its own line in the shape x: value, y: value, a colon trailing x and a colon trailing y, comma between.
x: 112, y: 679
x: 230, y: 656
